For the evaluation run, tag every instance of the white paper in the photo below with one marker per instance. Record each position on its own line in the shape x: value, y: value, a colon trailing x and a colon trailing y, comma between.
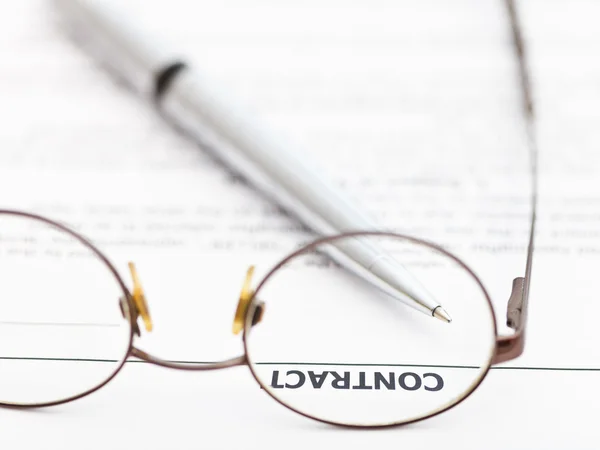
x: 413, y: 108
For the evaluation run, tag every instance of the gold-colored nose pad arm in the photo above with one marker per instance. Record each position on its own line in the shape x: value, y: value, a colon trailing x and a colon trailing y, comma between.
x: 139, y: 299
x: 244, y: 302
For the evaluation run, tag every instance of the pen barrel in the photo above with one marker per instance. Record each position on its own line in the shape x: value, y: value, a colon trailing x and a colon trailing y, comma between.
x: 199, y: 107
x: 203, y: 110
x: 132, y: 56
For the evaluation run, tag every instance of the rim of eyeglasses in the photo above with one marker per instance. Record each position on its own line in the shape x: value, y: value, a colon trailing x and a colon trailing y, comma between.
x: 314, y: 244
x: 128, y: 316
x: 507, y: 347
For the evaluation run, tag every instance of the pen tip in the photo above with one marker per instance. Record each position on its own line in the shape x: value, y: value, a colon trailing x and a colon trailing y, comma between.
x: 440, y: 313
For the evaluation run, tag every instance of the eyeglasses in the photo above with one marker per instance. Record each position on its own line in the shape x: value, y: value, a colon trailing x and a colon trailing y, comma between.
x: 328, y: 343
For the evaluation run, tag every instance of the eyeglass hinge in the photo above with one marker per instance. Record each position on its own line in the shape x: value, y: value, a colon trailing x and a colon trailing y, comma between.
x: 515, y: 304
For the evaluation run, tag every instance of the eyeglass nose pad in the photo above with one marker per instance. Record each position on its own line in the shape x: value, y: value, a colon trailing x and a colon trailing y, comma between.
x: 244, y: 302
x: 126, y: 313
x: 139, y: 299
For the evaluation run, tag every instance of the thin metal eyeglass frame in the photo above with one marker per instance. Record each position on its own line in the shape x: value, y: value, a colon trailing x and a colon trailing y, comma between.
x: 507, y: 347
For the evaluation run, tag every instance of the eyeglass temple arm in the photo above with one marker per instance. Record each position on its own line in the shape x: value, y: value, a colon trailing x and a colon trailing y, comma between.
x: 510, y: 347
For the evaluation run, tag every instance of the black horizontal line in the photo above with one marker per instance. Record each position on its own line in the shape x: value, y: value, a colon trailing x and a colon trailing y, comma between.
x: 32, y: 358
x: 438, y: 366
x: 362, y: 365
x: 60, y: 324
x: 435, y: 366
x: 94, y: 360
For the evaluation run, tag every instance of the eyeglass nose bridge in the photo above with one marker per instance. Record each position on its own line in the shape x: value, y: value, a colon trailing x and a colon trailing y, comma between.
x: 181, y: 365
x: 134, y: 306
x: 128, y: 307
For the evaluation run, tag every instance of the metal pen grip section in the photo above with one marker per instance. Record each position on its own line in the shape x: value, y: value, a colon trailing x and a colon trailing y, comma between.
x: 202, y: 110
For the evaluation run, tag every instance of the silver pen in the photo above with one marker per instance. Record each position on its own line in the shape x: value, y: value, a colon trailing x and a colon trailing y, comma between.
x: 196, y: 105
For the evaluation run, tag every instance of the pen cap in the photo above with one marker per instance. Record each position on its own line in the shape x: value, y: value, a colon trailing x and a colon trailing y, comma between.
x: 134, y: 58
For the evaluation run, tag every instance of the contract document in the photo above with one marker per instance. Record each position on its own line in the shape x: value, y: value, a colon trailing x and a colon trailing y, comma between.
x: 413, y: 107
